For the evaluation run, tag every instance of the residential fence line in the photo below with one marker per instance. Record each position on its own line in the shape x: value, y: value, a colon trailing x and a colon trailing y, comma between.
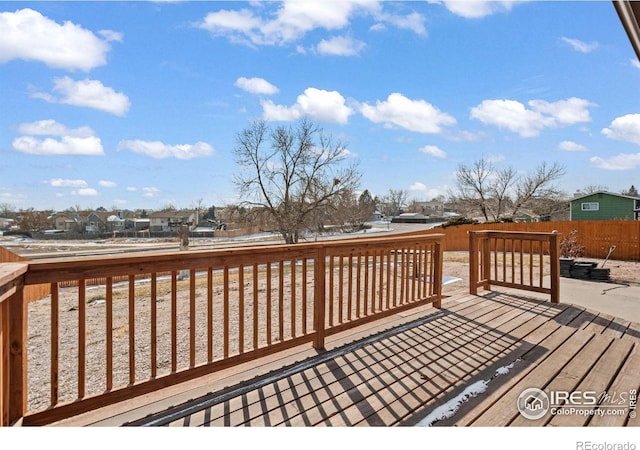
x: 597, y: 236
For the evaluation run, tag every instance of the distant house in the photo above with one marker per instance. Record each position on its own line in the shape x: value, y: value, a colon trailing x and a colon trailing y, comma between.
x: 604, y: 206
x: 432, y: 208
x: 67, y: 221
x: 5, y: 223
x: 526, y: 216
x: 96, y: 222
x: 171, y: 220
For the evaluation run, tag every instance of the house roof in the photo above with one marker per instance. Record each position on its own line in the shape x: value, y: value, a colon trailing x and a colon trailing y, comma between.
x: 604, y: 192
x: 171, y: 214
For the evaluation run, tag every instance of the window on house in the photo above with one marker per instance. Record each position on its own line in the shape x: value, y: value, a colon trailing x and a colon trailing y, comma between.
x: 591, y: 206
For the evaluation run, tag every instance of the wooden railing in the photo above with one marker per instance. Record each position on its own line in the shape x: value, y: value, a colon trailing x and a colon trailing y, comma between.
x: 515, y: 259
x: 11, y: 338
x: 87, y: 347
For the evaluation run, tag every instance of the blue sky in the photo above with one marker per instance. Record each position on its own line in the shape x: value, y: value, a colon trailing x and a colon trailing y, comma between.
x: 137, y: 104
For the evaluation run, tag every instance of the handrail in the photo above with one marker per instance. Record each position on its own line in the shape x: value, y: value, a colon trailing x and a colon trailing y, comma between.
x: 215, y: 309
x: 516, y: 260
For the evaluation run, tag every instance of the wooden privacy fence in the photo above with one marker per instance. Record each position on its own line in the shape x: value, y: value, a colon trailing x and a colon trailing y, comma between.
x: 517, y: 260
x: 597, y: 236
x: 93, y: 346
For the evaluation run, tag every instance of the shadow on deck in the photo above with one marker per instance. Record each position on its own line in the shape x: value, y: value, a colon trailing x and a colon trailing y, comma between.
x: 463, y: 365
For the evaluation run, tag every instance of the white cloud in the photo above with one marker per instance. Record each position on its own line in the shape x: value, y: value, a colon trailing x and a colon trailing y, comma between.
x: 340, y: 46
x: 434, y: 151
x: 317, y: 104
x: 293, y: 19
x: 50, y: 127
x: 150, y: 192
x: 624, y: 128
x: 514, y: 116
x: 67, y: 145
x: 474, y: 9
x: 413, y: 22
x: 110, y: 35
x: 634, y: 62
x: 417, y: 186
x: 256, y: 86
x: 85, y: 192
x: 26, y: 34
x: 131, y: 189
x: 413, y: 115
x: 564, y: 112
x: 160, y: 150
x: 67, y: 141
x: 64, y: 182
x: 623, y: 161
x: 87, y: 93
x: 107, y: 184
x: 580, y: 46
x: 570, y: 146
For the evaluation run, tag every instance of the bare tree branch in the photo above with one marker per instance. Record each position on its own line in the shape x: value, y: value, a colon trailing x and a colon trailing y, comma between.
x: 292, y: 172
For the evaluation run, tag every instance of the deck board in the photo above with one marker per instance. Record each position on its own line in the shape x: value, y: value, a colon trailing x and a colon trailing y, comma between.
x: 380, y: 375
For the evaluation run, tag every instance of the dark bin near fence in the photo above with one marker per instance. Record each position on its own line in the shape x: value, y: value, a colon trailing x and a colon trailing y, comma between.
x: 599, y: 274
x: 565, y: 267
x: 582, y: 270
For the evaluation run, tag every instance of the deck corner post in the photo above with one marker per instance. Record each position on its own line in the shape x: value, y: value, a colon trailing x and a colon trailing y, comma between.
x: 554, y: 256
x: 17, y: 380
x: 473, y: 263
x: 319, y: 298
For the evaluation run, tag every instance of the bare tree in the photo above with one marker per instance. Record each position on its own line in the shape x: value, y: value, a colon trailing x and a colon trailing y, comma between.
x: 593, y: 188
x: 31, y: 220
x: 350, y: 212
x: 395, y: 200
x: 292, y: 172
x: 537, y: 184
x: 632, y: 191
x: 474, y: 185
x: 500, y: 193
x: 7, y: 210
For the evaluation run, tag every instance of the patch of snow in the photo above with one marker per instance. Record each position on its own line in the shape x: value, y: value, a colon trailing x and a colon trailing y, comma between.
x: 505, y: 369
x: 449, y: 409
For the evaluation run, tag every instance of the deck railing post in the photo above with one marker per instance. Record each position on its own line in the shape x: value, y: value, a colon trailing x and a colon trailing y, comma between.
x: 486, y: 262
x: 4, y: 363
x: 17, y: 401
x: 319, y: 299
x: 473, y: 263
x: 554, y: 255
x: 437, y: 273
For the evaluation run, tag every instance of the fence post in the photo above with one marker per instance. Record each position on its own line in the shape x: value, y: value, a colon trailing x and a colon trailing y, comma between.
x: 473, y: 263
x: 554, y: 256
x: 319, y: 298
x: 17, y: 401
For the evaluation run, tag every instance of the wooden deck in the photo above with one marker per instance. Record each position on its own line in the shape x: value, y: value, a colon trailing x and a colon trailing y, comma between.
x: 399, y: 370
